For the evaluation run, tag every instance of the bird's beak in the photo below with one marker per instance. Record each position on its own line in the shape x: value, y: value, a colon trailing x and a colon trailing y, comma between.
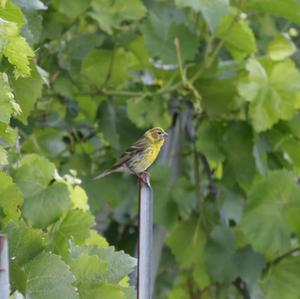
x: 165, y: 135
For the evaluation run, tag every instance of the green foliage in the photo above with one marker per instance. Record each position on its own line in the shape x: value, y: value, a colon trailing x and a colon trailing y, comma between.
x: 283, y: 278
x: 238, y: 37
x: 272, y: 202
x: 272, y: 90
x: 48, y: 274
x: 81, y: 80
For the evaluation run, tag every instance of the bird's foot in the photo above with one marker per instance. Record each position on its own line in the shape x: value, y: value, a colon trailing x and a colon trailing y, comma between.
x: 144, y: 177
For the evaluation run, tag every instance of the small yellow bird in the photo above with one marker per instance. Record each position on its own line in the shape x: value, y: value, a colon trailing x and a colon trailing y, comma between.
x: 140, y: 155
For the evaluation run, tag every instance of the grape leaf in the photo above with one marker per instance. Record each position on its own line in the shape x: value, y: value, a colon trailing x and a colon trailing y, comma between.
x: 49, y: 278
x: 288, y: 9
x: 250, y: 265
x: 19, y: 53
x: 212, y: 10
x: 220, y: 255
x: 6, y: 96
x: 33, y: 174
x: 71, y: 8
x: 12, y: 13
x: 3, y: 156
x: 209, y: 140
x: 8, y: 134
x: 27, y: 91
x: 239, y: 38
x: 95, y: 239
x: 79, y: 198
x: 186, y: 241
x: 88, y: 268
x: 102, y: 66
x: 159, y: 40
x: 11, y: 198
x: 283, y: 279
x: 101, y: 290
x: 281, y: 47
x: 75, y: 226
x: 270, y: 200
x: 272, y: 91
x: 110, y: 14
x: 24, y: 242
x: 119, y: 263
x: 238, y: 135
x: 47, y: 206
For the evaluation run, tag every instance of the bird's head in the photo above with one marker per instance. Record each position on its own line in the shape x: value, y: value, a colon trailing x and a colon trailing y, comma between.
x: 156, y: 135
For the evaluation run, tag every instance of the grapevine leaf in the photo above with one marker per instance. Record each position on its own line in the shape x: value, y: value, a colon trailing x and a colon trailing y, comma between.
x: 186, y: 241
x: 79, y: 198
x: 17, y: 277
x: 24, y: 242
x: 159, y: 40
x: 283, y: 280
x: 119, y: 263
x: 19, y: 53
x: 102, y: 66
x: 8, y: 134
x: 6, y: 96
x: 288, y: 9
x: 212, y: 10
x: 209, y: 140
x: 281, y: 47
x: 88, y: 268
x: 110, y: 14
x: 95, y: 239
x: 27, y: 91
x: 239, y: 38
x: 220, y: 255
x: 71, y: 8
x: 269, y: 205
x: 238, y: 135
x: 3, y: 156
x: 12, y: 13
x: 272, y: 91
x: 11, y: 198
x: 101, y: 290
x: 33, y: 174
x: 75, y: 226
x: 250, y: 265
x: 47, y: 206
x: 49, y: 278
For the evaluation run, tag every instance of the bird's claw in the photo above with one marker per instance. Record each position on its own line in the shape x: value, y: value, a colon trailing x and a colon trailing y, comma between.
x: 144, y: 177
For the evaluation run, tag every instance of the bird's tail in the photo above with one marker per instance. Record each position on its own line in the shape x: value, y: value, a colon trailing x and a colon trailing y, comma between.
x: 105, y: 173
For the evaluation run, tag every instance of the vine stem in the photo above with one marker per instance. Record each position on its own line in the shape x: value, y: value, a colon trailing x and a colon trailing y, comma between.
x: 184, y: 82
x: 283, y: 256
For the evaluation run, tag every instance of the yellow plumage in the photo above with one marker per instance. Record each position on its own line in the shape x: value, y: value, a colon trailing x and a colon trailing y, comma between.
x: 140, y: 155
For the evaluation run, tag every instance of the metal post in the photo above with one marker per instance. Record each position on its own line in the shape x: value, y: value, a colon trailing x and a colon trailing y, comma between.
x: 4, y: 272
x: 144, y: 286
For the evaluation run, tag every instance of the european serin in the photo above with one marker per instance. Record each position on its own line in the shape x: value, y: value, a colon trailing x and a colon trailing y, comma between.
x: 140, y: 155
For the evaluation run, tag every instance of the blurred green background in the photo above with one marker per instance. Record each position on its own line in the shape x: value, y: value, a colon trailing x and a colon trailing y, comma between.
x: 81, y: 80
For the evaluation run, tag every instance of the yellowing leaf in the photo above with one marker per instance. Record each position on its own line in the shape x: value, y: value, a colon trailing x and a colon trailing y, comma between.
x: 11, y: 198
x: 281, y: 47
x: 6, y: 98
x: 19, y: 53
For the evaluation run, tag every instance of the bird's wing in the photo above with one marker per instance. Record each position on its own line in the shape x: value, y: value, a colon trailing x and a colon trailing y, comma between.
x: 135, y: 149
